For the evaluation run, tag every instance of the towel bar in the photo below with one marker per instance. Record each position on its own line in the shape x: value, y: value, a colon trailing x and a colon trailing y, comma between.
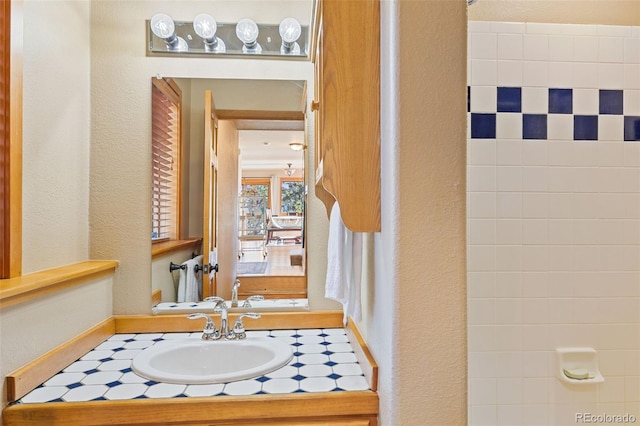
x: 173, y: 267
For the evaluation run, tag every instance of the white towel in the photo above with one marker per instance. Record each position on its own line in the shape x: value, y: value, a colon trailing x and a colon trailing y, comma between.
x: 189, y: 286
x: 213, y: 257
x: 344, y: 266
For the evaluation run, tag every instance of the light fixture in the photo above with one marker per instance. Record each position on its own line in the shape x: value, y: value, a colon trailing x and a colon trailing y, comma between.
x: 297, y: 146
x: 204, y: 36
x: 205, y: 27
x: 290, y: 31
x: 247, y: 31
x: 163, y: 27
x: 289, y: 171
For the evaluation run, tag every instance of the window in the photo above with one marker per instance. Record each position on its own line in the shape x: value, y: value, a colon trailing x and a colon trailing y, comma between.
x: 257, y: 187
x: 166, y: 144
x: 291, y: 196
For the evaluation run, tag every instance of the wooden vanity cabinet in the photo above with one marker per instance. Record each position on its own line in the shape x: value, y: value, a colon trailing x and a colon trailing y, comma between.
x: 347, y: 110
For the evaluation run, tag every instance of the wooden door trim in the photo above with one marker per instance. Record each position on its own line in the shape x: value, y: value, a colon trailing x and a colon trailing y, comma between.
x: 11, y: 149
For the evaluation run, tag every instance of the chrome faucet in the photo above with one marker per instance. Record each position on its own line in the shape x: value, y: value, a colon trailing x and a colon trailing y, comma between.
x: 238, y: 326
x: 220, y: 306
x: 254, y: 298
x: 209, y: 332
x: 234, y: 293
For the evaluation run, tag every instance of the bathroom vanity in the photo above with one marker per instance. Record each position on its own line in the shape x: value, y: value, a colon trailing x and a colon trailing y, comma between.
x: 332, y: 378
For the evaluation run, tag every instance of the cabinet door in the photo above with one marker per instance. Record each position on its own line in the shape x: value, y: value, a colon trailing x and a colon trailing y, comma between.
x: 348, y: 75
x: 320, y: 191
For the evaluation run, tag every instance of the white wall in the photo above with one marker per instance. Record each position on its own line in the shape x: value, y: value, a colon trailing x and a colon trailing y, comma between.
x: 56, y: 144
x: 554, y: 225
x: 31, y: 329
x: 165, y: 281
x: 56, y: 135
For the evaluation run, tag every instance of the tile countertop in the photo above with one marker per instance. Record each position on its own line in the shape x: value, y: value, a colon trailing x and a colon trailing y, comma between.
x: 323, y: 361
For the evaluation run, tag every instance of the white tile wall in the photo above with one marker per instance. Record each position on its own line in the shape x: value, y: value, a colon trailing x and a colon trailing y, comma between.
x: 554, y: 226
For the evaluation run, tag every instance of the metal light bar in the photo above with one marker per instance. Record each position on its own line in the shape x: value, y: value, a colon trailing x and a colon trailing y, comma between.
x: 269, y: 39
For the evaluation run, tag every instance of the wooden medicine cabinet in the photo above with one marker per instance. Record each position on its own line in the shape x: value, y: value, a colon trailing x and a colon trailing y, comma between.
x: 347, y: 110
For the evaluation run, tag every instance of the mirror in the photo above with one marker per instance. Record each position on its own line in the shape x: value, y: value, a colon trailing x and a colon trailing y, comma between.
x: 260, y: 193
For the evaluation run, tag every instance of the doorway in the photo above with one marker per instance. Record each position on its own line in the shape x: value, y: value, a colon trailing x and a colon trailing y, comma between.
x: 271, y: 203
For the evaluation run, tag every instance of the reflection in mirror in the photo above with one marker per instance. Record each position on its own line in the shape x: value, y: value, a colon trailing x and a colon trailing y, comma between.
x: 258, y: 158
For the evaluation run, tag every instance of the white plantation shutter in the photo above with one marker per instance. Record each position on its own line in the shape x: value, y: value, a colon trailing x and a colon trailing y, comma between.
x: 165, y: 117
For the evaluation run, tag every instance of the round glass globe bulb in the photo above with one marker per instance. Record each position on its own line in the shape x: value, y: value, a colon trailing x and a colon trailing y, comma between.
x: 162, y: 25
x: 247, y: 31
x: 205, y: 26
x: 290, y: 30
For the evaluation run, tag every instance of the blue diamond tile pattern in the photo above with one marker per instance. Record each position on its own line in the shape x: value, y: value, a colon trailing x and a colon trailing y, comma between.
x: 111, y: 378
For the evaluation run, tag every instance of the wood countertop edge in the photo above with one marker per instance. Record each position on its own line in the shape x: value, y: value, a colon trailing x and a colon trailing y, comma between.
x: 181, y: 410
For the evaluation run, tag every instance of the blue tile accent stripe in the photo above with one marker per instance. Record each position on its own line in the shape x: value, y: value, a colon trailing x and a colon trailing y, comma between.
x: 534, y: 126
x: 509, y: 99
x: 484, y: 124
x: 632, y: 128
x: 611, y: 102
x: 560, y: 101
x: 585, y: 127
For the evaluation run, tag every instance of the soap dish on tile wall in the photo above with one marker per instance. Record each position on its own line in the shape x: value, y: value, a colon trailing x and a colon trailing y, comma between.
x: 578, y: 366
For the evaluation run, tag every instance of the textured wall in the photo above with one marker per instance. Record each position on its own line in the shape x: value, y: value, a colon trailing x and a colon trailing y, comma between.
x: 56, y: 136
x: 415, y: 314
x: 613, y: 12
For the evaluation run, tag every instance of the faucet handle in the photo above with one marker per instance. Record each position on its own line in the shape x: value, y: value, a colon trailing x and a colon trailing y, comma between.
x: 254, y: 298
x: 238, y: 326
x: 217, y: 300
x: 209, y: 330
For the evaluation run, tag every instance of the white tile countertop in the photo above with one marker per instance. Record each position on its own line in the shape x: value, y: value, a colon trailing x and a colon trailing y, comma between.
x: 323, y: 361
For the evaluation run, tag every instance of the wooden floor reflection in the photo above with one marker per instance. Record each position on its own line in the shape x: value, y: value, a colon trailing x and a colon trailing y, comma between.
x: 278, y: 258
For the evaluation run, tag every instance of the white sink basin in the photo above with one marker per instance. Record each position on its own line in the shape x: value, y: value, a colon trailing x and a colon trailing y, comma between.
x: 192, y: 361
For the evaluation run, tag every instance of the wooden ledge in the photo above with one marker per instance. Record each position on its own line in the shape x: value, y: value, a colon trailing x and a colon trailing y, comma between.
x: 363, y: 354
x: 164, y: 247
x: 339, y: 408
x: 31, y: 286
x: 268, y: 321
